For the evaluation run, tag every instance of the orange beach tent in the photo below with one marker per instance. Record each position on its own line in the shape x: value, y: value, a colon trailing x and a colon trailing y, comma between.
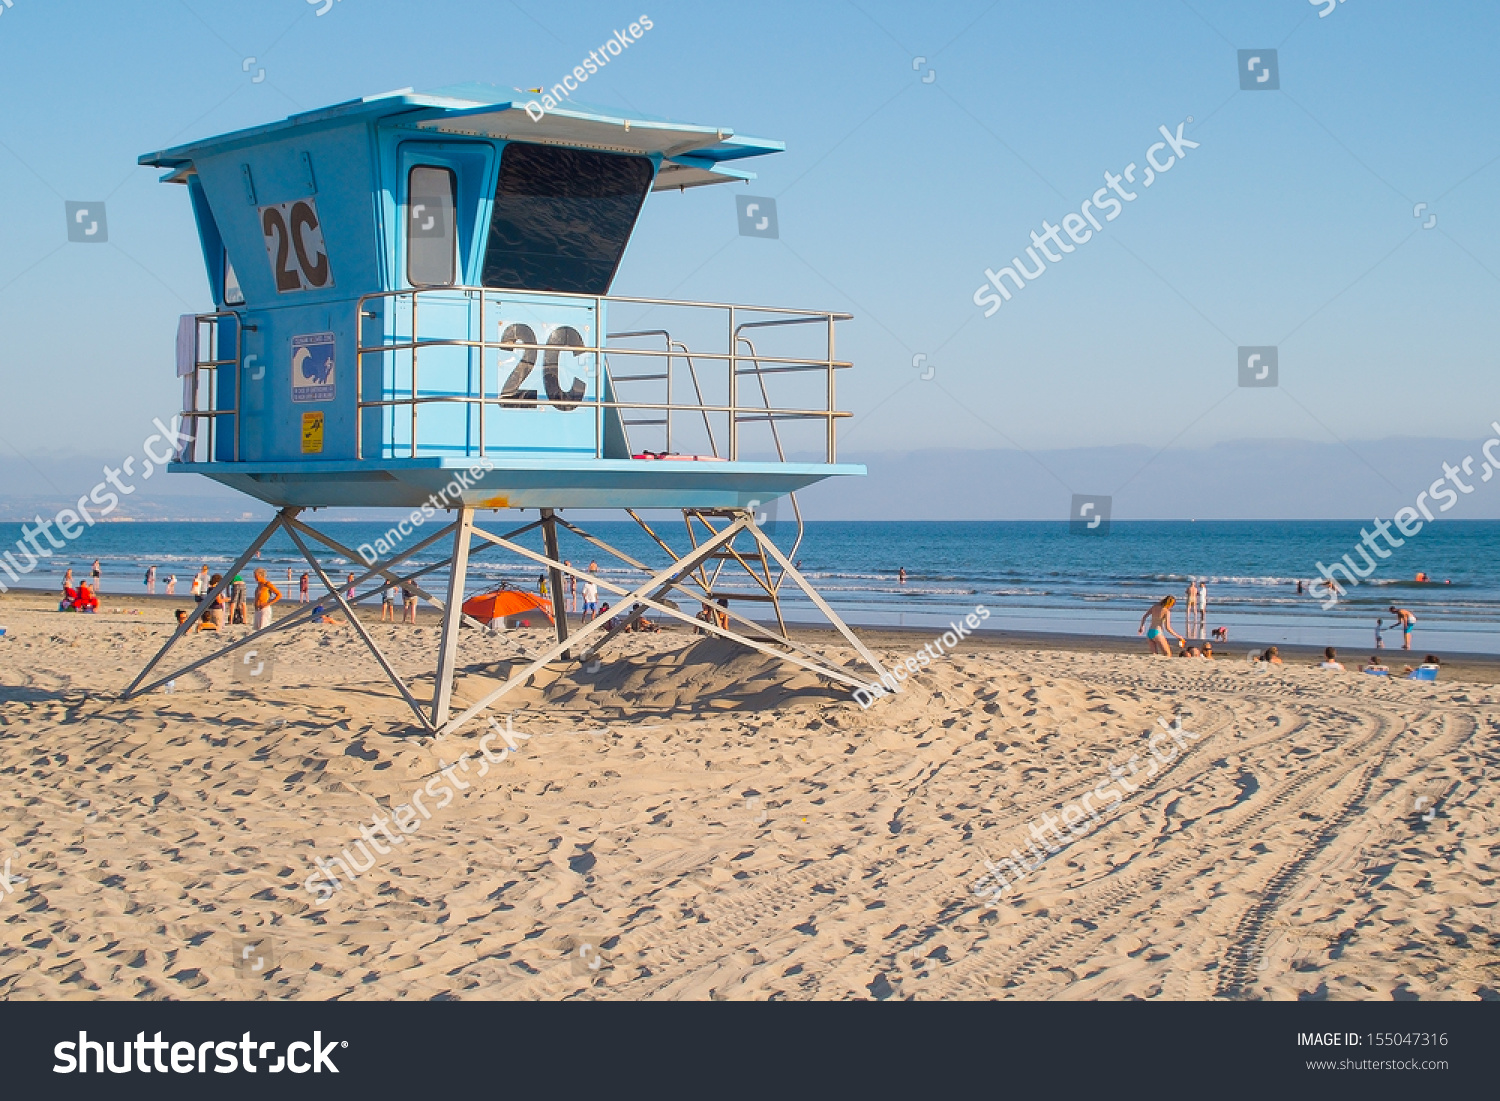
x: 502, y: 603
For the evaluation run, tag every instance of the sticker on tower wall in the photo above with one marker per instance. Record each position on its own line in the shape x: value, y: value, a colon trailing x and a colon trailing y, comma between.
x: 312, y: 367
x: 312, y: 433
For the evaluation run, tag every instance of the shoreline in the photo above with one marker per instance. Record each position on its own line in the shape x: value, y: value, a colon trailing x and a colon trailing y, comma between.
x: 1476, y: 668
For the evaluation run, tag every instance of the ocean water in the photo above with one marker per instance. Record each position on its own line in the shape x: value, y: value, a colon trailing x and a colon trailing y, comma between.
x: 1031, y: 576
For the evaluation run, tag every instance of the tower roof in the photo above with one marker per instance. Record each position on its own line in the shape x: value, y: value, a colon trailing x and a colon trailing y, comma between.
x: 691, y: 155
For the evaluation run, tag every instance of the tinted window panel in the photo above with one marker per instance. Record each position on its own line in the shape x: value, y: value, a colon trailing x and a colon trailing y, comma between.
x: 562, y: 217
x: 430, y: 239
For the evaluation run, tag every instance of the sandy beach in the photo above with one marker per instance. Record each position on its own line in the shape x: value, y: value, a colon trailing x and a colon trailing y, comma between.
x: 691, y: 820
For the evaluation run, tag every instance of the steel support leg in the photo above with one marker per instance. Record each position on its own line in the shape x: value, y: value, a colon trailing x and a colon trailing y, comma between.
x: 208, y: 598
x: 458, y: 572
x: 359, y: 628
x: 812, y: 594
x: 302, y: 615
x: 559, y: 601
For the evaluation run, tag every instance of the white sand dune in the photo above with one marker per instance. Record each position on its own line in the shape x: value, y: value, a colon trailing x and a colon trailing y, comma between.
x: 694, y: 821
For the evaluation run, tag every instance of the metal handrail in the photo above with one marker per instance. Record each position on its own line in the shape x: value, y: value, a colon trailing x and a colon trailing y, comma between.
x: 601, y: 350
x: 692, y: 373
x: 394, y: 343
x: 192, y: 415
x: 802, y: 363
x: 776, y: 436
x: 535, y: 403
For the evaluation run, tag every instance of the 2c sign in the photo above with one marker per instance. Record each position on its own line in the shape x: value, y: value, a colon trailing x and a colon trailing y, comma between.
x: 564, y: 336
x: 294, y: 245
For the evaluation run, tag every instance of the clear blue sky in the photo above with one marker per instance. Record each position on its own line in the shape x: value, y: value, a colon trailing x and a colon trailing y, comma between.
x: 1291, y: 223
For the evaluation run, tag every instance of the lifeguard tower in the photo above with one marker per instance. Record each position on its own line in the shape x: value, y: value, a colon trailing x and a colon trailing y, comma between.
x: 413, y: 306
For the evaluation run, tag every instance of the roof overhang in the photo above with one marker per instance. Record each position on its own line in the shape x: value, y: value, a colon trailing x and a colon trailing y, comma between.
x: 690, y: 156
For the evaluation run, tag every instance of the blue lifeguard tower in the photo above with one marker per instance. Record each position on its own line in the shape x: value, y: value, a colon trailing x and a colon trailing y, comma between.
x: 413, y: 304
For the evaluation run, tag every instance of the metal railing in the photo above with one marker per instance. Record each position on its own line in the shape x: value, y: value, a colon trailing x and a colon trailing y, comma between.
x: 196, y: 390
x: 409, y: 339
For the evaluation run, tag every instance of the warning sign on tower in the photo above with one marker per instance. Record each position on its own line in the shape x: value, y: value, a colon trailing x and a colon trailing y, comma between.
x: 312, y: 433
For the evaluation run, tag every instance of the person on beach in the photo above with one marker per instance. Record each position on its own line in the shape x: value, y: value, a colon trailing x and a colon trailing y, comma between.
x: 1331, y: 660
x: 1272, y: 656
x: 1192, y: 605
x: 541, y: 585
x: 237, y: 608
x: 1428, y: 670
x: 68, y: 578
x: 902, y: 575
x: 1202, y: 608
x: 1160, y: 615
x: 266, y: 594
x: 572, y: 584
x: 181, y: 614
x: 1379, y: 631
x: 203, y: 583
x: 349, y: 592
x: 87, y: 600
x: 1406, y: 621
x: 96, y: 573
x: 1375, y: 668
x: 151, y: 580
x: 387, y: 610
x: 302, y: 589
x: 171, y: 584
x: 213, y: 619
x: 289, y: 577
x: 408, y: 605
x: 590, y: 598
